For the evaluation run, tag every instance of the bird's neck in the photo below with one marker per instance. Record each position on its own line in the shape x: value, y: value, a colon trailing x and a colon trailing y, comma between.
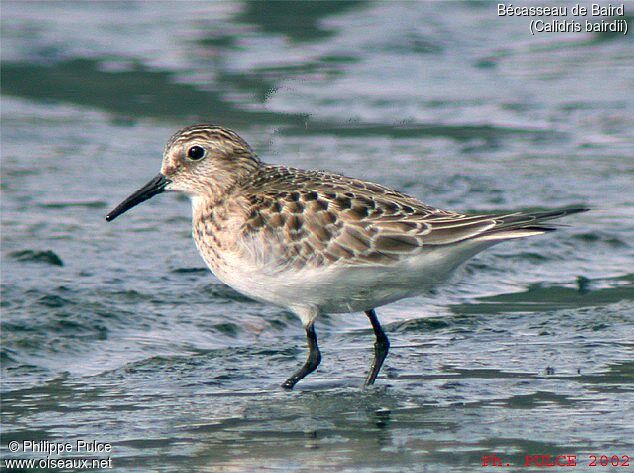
x: 208, y: 208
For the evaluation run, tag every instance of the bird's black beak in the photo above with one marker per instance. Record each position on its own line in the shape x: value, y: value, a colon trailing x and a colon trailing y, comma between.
x: 155, y: 186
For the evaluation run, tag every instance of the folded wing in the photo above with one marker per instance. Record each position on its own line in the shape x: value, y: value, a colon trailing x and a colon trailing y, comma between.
x: 332, y: 219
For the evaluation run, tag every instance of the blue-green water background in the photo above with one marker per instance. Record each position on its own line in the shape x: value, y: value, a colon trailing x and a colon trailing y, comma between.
x: 117, y: 333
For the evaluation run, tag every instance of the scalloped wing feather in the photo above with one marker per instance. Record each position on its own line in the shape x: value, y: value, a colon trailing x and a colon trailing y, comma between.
x: 313, y: 218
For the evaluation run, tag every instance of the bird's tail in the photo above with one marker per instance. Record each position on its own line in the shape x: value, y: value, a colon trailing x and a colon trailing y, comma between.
x: 523, y: 224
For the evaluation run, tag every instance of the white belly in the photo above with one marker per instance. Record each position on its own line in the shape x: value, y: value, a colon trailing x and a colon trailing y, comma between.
x: 340, y: 288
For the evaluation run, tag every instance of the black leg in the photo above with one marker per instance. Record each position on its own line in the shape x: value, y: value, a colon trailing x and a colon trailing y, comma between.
x: 381, y: 347
x: 314, y: 357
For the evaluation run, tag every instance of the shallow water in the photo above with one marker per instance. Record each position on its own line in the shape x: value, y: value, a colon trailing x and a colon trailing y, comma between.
x: 117, y: 333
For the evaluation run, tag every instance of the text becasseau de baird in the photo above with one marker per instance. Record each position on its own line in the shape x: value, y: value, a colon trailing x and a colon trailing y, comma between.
x: 556, y: 19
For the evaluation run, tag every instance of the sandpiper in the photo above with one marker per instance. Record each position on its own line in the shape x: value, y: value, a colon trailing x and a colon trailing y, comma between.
x: 316, y: 242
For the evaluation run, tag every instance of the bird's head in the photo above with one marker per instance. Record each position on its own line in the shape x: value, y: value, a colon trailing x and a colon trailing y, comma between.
x: 201, y: 161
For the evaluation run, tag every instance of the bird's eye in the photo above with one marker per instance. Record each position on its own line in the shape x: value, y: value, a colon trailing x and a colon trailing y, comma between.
x: 196, y: 153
